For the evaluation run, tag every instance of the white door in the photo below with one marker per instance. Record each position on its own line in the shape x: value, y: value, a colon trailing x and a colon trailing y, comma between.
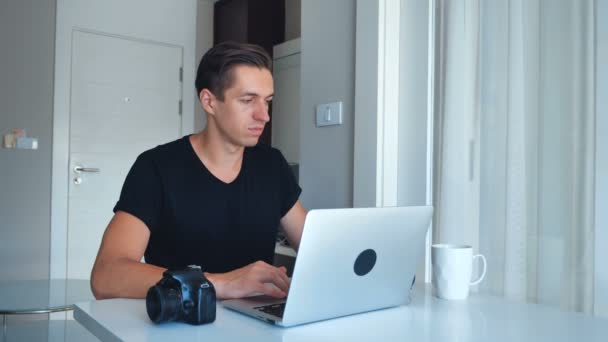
x: 125, y: 99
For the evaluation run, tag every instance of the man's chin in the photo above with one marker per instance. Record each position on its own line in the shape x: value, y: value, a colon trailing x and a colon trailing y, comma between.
x: 251, y: 142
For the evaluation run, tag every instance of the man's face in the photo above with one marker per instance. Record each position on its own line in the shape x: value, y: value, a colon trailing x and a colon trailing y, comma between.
x: 242, y: 115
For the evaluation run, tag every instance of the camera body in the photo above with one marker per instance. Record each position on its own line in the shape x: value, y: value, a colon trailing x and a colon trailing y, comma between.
x: 182, y: 295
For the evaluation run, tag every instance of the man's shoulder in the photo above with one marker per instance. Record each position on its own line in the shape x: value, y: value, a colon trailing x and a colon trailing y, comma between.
x: 165, y: 154
x: 165, y: 151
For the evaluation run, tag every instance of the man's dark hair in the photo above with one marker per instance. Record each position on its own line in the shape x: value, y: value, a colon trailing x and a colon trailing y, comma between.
x: 215, y: 70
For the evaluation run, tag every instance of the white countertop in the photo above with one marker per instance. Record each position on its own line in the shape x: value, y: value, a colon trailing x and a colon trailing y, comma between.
x: 479, y: 318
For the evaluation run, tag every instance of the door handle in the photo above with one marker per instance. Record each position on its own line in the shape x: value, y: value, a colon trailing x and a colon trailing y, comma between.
x: 79, y: 169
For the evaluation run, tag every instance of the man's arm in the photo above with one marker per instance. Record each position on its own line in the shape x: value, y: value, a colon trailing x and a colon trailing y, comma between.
x: 261, y: 277
x: 118, y: 271
x: 293, y: 224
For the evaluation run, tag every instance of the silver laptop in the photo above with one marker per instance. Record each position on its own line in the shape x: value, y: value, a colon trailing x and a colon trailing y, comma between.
x: 349, y: 261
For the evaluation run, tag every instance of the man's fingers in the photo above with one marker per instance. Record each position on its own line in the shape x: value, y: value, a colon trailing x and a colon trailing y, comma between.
x: 277, y: 276
x: 280, y: 281
x: 271, y: 290
x: 285, y: 278
x: 261, y: 277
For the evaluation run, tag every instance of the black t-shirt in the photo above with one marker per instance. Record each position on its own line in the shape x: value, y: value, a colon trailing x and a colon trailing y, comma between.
x: 195, y: 218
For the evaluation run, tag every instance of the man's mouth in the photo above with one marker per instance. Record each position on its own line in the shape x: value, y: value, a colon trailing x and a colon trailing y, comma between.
x: 256, y: 130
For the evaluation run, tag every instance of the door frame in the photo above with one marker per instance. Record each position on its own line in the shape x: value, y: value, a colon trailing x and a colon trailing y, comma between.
x: 601, y: 160
x: 114, y: 18
x: 377, y: 102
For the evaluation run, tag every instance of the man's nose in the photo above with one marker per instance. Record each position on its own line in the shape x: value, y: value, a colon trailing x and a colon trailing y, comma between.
x: 261, y: 112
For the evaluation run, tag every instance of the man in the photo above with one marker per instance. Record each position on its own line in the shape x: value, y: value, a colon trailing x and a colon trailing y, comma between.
x: 214, y: 199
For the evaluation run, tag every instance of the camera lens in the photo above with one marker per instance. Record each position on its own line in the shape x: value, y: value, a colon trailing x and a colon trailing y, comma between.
x: 162, y: 304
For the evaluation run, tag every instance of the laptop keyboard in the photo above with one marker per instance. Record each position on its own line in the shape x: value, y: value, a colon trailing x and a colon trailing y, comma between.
x: 272, y: 309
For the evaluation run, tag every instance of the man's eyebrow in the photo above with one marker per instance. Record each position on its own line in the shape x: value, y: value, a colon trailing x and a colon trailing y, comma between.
x: 254, y: 94
x: 249, y: 94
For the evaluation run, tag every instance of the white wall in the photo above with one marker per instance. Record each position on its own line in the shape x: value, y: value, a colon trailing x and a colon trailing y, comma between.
x: 392, y: 46
x: 204, y: 41
x: 413, y: 83
x: 164, y: 21
x: 27, y: 33
x: 601, y: 169
x: 327, y: 75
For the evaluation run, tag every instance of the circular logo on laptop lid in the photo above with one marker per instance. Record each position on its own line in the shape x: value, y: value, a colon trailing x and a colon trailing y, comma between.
x: 365, y: 262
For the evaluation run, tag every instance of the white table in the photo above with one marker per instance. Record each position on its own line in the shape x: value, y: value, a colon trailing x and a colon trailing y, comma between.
x: 480, y: 318
x: 25, y: 297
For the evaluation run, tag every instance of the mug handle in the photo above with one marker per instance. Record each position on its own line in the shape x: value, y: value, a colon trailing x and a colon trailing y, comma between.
x: 483, y: 273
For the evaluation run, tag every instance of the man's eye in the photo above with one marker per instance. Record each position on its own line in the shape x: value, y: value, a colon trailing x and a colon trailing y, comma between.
x: 246, y: 101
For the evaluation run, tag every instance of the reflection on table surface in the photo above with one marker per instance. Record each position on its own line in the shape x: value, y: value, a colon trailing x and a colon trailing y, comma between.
x: 47, y: 331
x: 37, y: 296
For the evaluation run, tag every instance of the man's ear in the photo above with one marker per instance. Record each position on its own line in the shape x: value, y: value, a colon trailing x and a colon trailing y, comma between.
x: 208, y: 101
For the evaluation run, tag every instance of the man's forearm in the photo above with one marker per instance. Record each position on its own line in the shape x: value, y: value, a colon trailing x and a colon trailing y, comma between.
x: 124, y: 279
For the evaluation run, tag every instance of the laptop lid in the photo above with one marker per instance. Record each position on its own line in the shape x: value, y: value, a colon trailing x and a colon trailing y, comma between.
x: 349, y: 261
x: 355, y: 260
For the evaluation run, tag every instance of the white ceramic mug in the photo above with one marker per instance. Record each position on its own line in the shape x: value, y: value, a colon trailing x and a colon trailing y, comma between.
x: 452, y: 270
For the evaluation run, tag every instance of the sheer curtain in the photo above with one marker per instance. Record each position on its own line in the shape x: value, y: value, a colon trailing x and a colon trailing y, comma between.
x: 514, y: 143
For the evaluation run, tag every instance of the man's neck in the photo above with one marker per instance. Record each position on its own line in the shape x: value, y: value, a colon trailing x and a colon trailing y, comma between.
x: 217, y: 154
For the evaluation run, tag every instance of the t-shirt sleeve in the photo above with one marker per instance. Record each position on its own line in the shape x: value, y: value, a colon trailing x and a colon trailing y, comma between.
x: 141, y: 194
x: 290, y: 190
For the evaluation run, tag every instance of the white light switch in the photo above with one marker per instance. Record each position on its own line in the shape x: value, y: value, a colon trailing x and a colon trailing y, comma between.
x: 329, y: 114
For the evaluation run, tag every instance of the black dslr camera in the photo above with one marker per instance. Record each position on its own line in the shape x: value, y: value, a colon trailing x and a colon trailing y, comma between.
x: 182, y: 295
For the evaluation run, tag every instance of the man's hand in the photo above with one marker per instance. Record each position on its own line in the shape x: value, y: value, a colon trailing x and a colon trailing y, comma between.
x: 258, y: 277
